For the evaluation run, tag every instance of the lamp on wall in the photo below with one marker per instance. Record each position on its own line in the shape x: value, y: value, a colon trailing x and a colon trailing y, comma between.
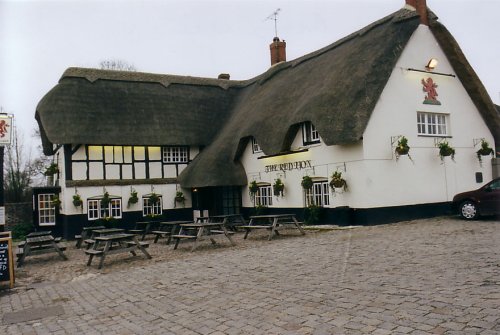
x: 433, y: 62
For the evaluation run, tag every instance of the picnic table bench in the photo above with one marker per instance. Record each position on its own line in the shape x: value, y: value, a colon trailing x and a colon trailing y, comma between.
x: 167, y: 229
x: 40, y: 244
x: 273, y: 223
x: 113, y: 244
x: 85, y: 234
x: 230, y: 221
x: 101, y: 232
x: 199, y: 231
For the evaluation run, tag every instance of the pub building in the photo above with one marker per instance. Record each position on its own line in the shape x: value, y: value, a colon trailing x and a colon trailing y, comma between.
x: 119, y: 139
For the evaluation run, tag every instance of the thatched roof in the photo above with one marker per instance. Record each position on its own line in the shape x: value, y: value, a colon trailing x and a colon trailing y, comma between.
x: 336, y: 88
x: 91, y: 106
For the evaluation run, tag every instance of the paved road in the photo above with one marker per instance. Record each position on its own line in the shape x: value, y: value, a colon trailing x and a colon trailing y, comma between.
x: 438, y: 276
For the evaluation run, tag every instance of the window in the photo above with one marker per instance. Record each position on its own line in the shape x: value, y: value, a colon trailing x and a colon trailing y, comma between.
x: 95, y: 210
x: 264, y: 196
x: 309, y: 134
x: 46, y: 210
x: 149, y: 208
x: 175, y: 154
x: 319, y: 194
x: 432, y: 124
x: 255, y: 146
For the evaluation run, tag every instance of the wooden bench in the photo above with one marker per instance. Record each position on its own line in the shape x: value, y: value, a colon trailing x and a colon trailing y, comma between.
x: 159, y: 233
x: 142, y: 244
x: 40, y: 249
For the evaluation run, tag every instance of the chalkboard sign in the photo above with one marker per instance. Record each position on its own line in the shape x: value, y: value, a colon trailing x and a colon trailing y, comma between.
x: 6, y: 261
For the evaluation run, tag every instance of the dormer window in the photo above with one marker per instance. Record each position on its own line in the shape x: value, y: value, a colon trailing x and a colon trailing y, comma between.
x: 309, y: 133
x: 255, y: 146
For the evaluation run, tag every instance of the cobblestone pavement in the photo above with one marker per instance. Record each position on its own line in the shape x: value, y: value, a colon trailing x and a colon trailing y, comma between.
x: 435, y: 276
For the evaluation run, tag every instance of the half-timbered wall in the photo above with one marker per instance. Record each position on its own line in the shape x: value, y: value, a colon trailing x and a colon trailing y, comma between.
x: 100, y: 162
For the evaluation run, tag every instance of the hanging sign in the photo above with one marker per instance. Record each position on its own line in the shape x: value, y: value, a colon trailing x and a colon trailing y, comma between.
x: 5, y: 129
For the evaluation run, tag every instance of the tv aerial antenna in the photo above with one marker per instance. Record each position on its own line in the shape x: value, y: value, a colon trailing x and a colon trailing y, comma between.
x: 274, y: 16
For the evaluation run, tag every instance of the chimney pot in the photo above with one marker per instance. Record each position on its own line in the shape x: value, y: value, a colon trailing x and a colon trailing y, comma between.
x: 278, y: 51
x: 421, y: 8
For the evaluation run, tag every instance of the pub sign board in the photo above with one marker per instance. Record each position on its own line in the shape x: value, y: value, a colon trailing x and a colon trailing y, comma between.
x: 5, y: 129
x: 6, y: 259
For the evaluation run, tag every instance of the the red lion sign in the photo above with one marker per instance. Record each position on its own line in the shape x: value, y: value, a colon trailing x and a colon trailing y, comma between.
x: 430, y: 89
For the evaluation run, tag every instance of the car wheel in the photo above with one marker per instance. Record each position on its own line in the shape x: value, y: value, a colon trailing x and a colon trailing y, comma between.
x: 468, y: 210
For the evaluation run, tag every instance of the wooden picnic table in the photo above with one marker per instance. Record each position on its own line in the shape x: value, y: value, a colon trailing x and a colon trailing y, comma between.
x: 37, y: 245
x: 101, y: 232
x: 39, y: 233
x: 231, y: 221
x: 85, y: 234
x: 167, y: 228
x: 202, y: 230
x: 274, y: 223
x: 113, y: 244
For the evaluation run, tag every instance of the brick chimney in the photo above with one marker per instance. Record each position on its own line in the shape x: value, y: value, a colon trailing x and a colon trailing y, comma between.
x: 278, y: 51
x: 421, y: 8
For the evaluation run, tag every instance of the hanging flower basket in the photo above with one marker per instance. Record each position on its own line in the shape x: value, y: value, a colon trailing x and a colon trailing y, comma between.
x: 133, y: 199
x: 56, y: 202
x: 105, y: 200
x: 77, y: 200
x: 445, y: 150
x: 253, y: 187
x: 278, y: 187
x: 485, y: 150
x: 179, y: 197
x: 154, y: 198
x: 307, y: 183
x: 337, y: 181
x: 51, y: 170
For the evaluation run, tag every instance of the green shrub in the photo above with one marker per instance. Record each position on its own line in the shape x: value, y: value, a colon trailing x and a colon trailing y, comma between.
x: 312, y: 214
x: 20, y: 230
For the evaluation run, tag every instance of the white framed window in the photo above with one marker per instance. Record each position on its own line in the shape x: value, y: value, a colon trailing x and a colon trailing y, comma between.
x: 319, y: 194
x: 435, y: 124
x: 93, y: 210
x: 96, y: 211
x: 309, y: 133
x: 46, y: 210
x: 175, y: 154
x: 255, y: 146
x: 264, y: 196
x: 149, y: 208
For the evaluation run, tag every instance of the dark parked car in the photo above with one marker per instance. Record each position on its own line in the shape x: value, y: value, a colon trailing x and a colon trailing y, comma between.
x: 483, y: 201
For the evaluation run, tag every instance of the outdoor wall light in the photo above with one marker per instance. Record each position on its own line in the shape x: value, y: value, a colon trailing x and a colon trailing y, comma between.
x: 433, y: 62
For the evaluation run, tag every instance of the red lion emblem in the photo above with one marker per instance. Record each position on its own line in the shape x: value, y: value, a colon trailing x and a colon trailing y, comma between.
x: 3, y: 128
x: 430, y: 89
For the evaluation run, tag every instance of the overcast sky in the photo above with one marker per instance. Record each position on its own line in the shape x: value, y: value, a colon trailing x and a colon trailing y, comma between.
x: 40, y: 39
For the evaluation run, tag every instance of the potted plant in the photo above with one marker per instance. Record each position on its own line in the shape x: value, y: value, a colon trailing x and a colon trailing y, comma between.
x: 337, y: 181
x: 253, y: 187
x: 56, y: 202
x: 307, y: 183
x: 402, y: 148
x: 154, y: 198
x: 446, y: 150
x: 51, y: 170
x: 484, y: 151
x: 77, y: 200
x: 105, y: 200
x: 312, y: 214
x: 133, y: 199
x: 278, y: 187
x: 179, y: 197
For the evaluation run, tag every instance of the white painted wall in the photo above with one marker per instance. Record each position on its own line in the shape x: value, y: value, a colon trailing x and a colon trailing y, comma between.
x: 374, y: 176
